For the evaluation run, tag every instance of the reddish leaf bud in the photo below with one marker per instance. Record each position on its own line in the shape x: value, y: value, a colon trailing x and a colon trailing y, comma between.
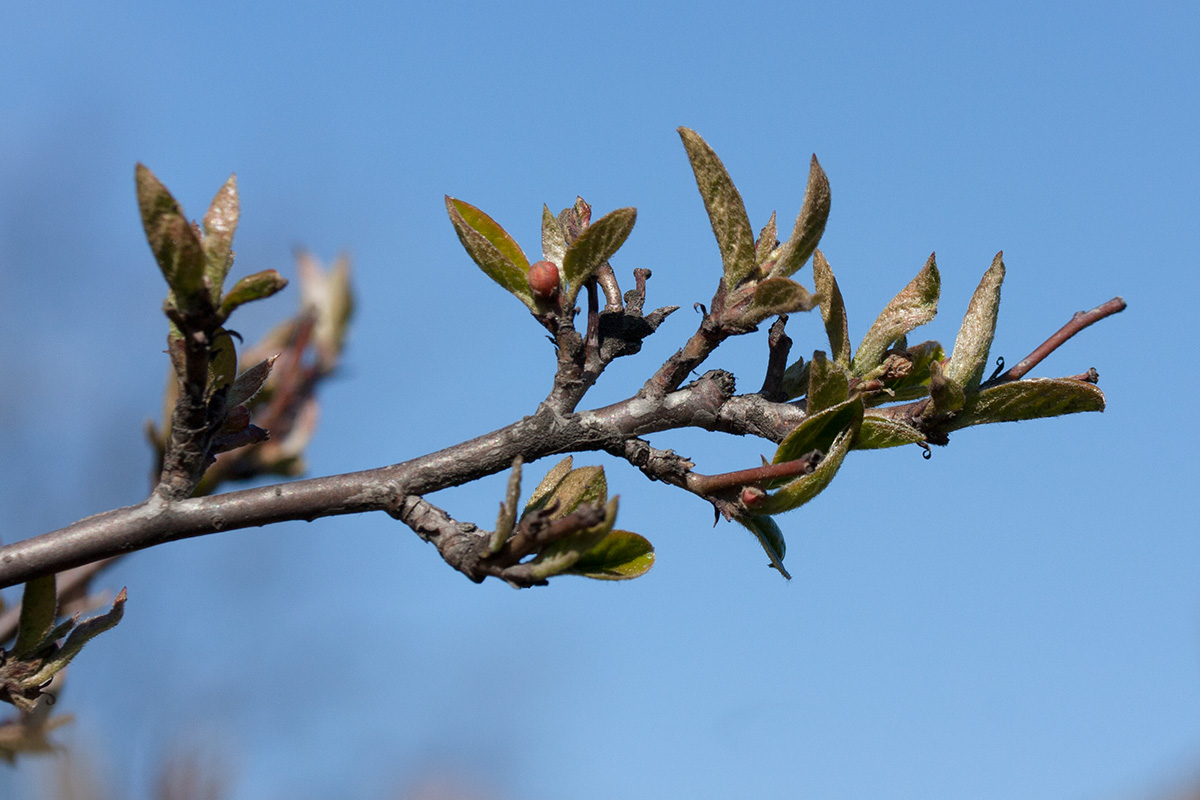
x: 543, y: 281
x: 753, y: 496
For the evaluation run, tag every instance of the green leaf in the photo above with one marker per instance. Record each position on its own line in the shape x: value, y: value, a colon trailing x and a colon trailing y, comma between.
x: 595, y: 245
x: 83, y: 633
x: 810, y: 224
x: 766, y: 243
x: 828, y: 384
x: 969, y: 357
x: 554, y: 477
x: 258, y: 286
x: 879, y: 432
x: 618, y: 556
x: 818, y: 431
x: 565, y: 553
x: 775, y: 296
x: 915, y: 305
x: 554, y: 242
x: 770, y: 537
x: 174, y: 243
x: 945, y: 392
x: 491, y: 248
x: 916, y: 383
x: 222, y: 368
x: 801, y: 490
x: 795, y: 379
x: 833, y: 310
x: 220, y: 223
x: 726, y: 212
x: 1034, y: 398
x: 576, y: 487
x: 507, y: 517
x: 39, y: 609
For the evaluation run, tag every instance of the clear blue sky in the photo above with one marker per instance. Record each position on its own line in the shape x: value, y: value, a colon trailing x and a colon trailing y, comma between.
x: 1018, y: 617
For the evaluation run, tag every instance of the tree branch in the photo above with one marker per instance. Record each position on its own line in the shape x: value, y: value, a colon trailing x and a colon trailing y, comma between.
x: 1078, y: 322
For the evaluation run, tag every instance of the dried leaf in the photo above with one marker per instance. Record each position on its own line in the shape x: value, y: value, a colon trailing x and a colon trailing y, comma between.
x: 833, y: 310
x: 915, y: 305
x: 810, y: 223
x: 220, y: 223
x: 726, y: 212
x: 595, y: 245
x: 491, y: 248
x: 969, y: 358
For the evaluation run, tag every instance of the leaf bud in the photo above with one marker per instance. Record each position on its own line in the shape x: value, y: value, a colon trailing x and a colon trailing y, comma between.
x: 543, y: 281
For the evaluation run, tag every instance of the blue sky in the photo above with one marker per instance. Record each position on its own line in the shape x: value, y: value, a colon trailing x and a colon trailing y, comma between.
x: 1017, y: 617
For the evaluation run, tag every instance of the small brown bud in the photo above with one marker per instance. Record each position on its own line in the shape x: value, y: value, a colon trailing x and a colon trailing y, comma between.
x: 543, y: 281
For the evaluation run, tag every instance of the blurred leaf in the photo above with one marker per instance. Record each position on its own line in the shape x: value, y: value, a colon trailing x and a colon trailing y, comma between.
x: 833, y: 310
x: 944, y: 391
x: 84, y: 632
x: 770, y: 537
x: 915, y: 305
x: 328, y: 295
x: 222, y: 368
x: 1034, y: 398
x: 39, y: 609
x: 810, y: 224
x: 258, y: 286
x: 597, y: 244
x: 249, y: 382
x: 774, y: 296
x: 828, y: 384
x: 880, y: 432
x: 818, y: 431
x: 554, y: 243
x: 767, y: 242
x: 174, y: 243
x: 726, y: 212
x: 801, y: 490
x: 220, y: 223
x: 970, y: 355
x: 491, y: 248
x: 618, y: 556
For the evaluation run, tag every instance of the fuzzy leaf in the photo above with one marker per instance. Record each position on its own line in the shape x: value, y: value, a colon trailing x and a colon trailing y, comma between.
x: 810, y: 223
x: 576, y: 487
x: 220, y: 223
x: 39, y: 608
x: 915, y: 305
x: 491, y: 248
x: 880, y: 432
x: 795, y: 379
x: 774, y: 296
x: 767, y: 242
x: 945, y: 392
x: 549, y: 483
x: 970, y: 355
x: 595, y: 245
x: 559, y: 556
x: 554, y: 242
x: 84, y: 632
x: 174, y: 243
x: 258, y: 286
x: 250, y: 382
x: 818, y: 431
x: 619, y: 556
x: 770, y: 537
x: 916, y: 383
x: 801, y: 490
x: 828, y: 384
x: 726, y: 212
x: 833, y: 310
x: 1034, y: 398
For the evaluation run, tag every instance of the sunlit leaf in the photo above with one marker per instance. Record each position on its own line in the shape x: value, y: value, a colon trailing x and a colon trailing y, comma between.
x: 1034, y: 398
x: 554, y: 243
x: 770, y: 537
x: 491, y: 248
x: 945, y: 392
x: 222, y: 367
x: 598, y: 242
x: 828, y: 384
x: 818, y: 431
x: 548, y: 484
x: 565, y: 553
x: 220, y: 223
x: 833, y: 310
x: 258, y: 286
x: 726, y: 212
x: 970, y: 355
x: 880, y: 432
x: 775, y: 296
x: 915, y: 305
x: 767, y: 242
x: 810, y: 224
x: 83, y: 633
x: 801, y: 490
x: 618, y: 556
x: 174, y: 243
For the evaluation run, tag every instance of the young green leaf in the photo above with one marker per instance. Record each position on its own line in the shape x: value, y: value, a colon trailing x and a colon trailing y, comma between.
x: 561, y: 555
x: 572, y: 489
x: 946, y: 394
x: 810, y: 223
x: 174, y: 243
x: 491, y: 248
x: 828, y: 384
x: 618, y: 556
x: 83, y: 633
x: 880, y: 432
x: 258, y: 286
x: 554, y: 242
x: 969, y: 357
x: 775, y: 296
x: 833, y: 310
x: 766, y: 243
x: 595, y: 245
x: 726, y: 212
x: 554, y: 477
x: 801, y: 490
x: 915, y: 305
x: 39, y: 608
x: 818, y: 431
x: 1033, y: 398
x: 770, y: 537
x: 220, y: 223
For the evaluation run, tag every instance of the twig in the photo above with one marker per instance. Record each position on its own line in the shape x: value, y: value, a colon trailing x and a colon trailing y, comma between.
x: 779, y: 344
x: 1081, y: 320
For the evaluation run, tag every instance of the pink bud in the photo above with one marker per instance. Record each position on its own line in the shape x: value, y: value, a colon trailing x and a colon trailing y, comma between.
x: 543, y: 281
